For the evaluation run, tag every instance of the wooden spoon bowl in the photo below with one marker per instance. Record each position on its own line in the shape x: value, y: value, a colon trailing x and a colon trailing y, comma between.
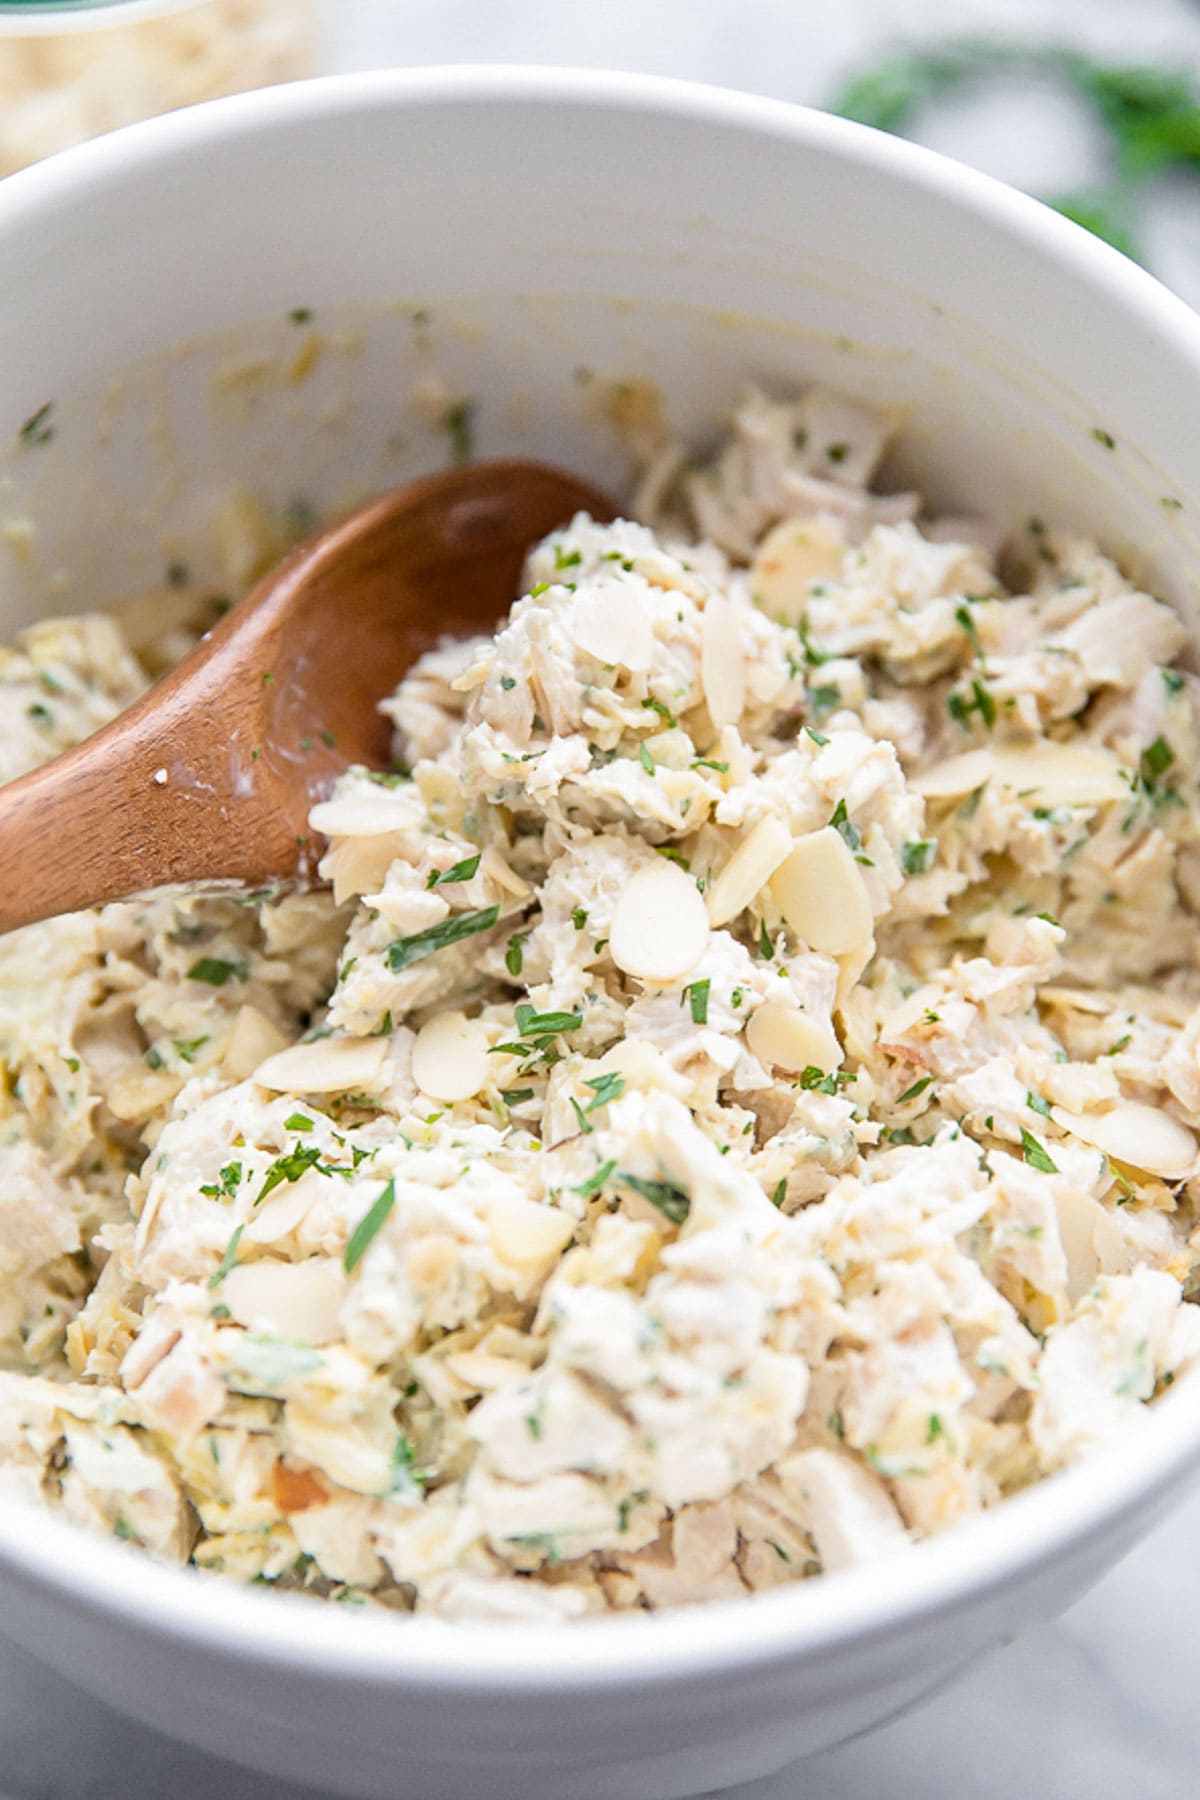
x: 210, y: 776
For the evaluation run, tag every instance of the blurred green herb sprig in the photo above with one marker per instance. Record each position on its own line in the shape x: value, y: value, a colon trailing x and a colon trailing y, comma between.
x: 1151, y: 115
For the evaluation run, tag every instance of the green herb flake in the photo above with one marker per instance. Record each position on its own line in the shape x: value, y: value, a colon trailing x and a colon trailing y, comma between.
x: 822, y: 700
x: 917, y: 1088
x: 38, y: 427
x: 1103, y: 437
x: 458, y: 421
x: 227, y: 1261
x: 708, y: 762
x: 514, y: 955
x: 696, y: 993
x: 538, y: 589
x: 645, y: 758
x: 605, y: 1088
x: 403, y: 951
x: 817, y: 737
x: 1122, y: 1043
x: 581, y: 1119
x: 589, y: 1188
x: 674, y: 1203
x: 1036, y: 1154
x: 916, y: 857
x: 459, y: 871
x: 216, y: 971
x: 1156, y: 759
x: 1038, y: 1103
x: 780, y: 1194
x: 664, y: 712
x: 289, y: 1167
x: 368, y: 1227
x: 297, y: 1121
x: 533, y: 1024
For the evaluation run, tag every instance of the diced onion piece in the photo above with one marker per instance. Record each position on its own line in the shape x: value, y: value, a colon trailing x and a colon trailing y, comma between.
x: 298, y: 1301
x: 327, y: 1066
x: 251, y: 1041
x: 789, y: 559
x: 822, y: 895
x: 1062, y: 774
x: 956, y: 776
x: 792, y: 1040
x: 659, y: 925
x: 610, y: 622
x: 522, y: 1233
x: 1142, y: 1136
x: 722, y: 662
x: 748, y: 870
x: 450, y: 1056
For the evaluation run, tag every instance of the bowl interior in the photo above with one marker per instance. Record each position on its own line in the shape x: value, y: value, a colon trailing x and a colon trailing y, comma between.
x: 521, y: 241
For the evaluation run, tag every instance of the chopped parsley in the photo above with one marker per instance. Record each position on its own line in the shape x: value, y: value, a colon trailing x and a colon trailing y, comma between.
x: 459, y: 871
x: 368, y: 1227
x: 696, y: 992
x: 579, y: 917
x: 514, y: 956
x: 533, y: 1024
x: 822, y: 700
x: 916, y: 857
x: 780, y: 1194
x: 38, y: 427
x: 1038, y: 1103
x: 1104, y: 437
x: 594, y: 1183
x: 405, y: 950
x: 459, y: 422
x: 288, y: 1167
x: 708, y: 762
x: 297, y: 1121
x: 817, y: 737
x: 227, y: 1261
x: 228, y: 1184
x: 569, y: 561
x: 981, y: 702
x: 814, y: 1080
x: 605, y: 1087
x: 664, y: 712
x: 508, y: 683
x: 843, y: 823
x: 1036, y: 1154
x: 645, y: 758
x: 674, y: 1203
x: 962, y: 617
x: 917, y: 1088
x: 216, y: 971
x: 1156, y: 759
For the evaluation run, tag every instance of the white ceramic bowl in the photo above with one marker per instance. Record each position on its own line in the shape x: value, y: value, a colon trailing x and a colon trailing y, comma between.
x: 639, y: 228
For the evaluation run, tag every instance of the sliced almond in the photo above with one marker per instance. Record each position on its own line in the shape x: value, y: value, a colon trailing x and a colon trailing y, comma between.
x: 298, y: 1301
x: 748, y: 870
x: 722, y: 662
x: 1062, y: 774
x: 789, y: 559
x: 1144, y: 1137
x: 956, y: 776
x: 639, y: 1063
x: 284, y: 1209
x: 523, y: 1234
x: 365, y: 810
x: 792, y: 1040
x: 610, y: 622
x: 140, y: 1093
x: 253, y: 1039
x: 327, y: 1066
x: 450, y: 1057
x: 483, y: 1373
x: 659, y: 926
x: 359, y: 865
x: 822, y: 895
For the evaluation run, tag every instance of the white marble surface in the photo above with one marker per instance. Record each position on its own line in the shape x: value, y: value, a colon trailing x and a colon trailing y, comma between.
x: 1102, y: 1705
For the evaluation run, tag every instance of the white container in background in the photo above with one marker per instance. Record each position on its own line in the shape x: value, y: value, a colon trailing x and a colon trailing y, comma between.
x: 71, y: 71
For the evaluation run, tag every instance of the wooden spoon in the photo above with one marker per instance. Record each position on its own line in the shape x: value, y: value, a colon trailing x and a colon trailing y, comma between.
x: 209, y: 777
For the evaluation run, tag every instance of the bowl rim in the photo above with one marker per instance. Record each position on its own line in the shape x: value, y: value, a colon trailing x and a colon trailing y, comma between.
x: 1014, y: 1543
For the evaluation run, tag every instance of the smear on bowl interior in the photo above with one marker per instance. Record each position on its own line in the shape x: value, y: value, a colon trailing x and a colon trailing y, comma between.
x: 733, y: 1117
